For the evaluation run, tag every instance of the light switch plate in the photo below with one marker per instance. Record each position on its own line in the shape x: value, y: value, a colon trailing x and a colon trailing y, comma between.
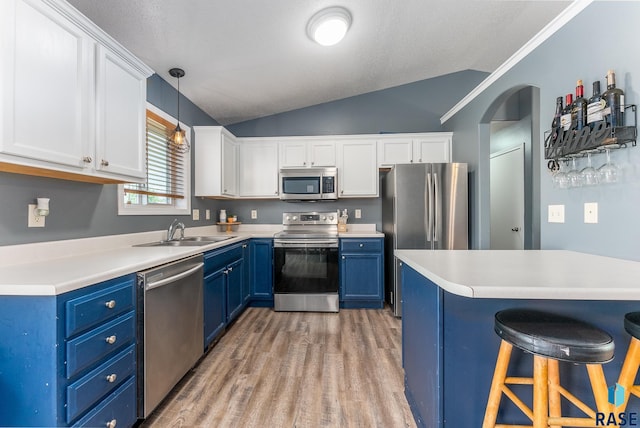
x: 196, y: 214
x: 556, y: 214
x: 358, y: 213
x: 254, y: 214
x: 591, y: 212
x: 207, y: 214
x: 33, y: 219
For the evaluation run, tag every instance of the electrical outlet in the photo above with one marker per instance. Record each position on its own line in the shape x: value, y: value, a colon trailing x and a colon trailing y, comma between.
x: 358, y: 213
x: 33, y: 219
x: 556, y: 214
x: 591, y: 212
x: 196, y: 214
x: 254, y: 214
x: 207, y: 214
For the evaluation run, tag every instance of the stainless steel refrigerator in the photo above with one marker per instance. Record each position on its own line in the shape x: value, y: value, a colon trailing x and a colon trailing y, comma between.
x: 424, y: 206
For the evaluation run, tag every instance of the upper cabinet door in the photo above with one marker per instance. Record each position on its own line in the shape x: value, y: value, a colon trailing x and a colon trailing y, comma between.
x: 120, y: 117
x: 433, y: 148
x: 357, y: 168
x: 258, y: 169
x: 47, y: 69
x: 322, y: 153
x: 293, y: 154
x: 395, y: 150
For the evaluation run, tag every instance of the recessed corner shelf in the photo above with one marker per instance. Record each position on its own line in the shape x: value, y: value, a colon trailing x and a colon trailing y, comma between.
x: 588, y: 140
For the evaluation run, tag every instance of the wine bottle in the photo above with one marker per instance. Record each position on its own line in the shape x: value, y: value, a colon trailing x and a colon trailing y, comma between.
x: 614, y: 102
x: 579, y: 108
x: 595, y: 106
x: 565, y: 119
x: 556, y: 127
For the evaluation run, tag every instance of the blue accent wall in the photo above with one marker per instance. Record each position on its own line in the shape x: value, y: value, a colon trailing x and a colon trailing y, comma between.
x: 570, y: 54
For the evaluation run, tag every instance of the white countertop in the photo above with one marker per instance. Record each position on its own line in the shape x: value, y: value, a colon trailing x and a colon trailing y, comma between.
x: 52, y: 268
x: 541, y: 274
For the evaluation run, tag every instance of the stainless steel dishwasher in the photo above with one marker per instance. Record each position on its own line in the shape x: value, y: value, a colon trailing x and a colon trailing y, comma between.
x: 170, y: 328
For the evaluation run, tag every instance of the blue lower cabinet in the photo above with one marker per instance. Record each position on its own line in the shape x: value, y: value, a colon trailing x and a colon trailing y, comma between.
x: 65, y: 359
x: 118, y: 409
x: 214, y: 305
x: 361, y: 273
x: 262, y: 272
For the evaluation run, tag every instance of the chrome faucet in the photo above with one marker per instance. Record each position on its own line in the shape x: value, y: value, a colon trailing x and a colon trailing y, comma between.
x: 175, y: 224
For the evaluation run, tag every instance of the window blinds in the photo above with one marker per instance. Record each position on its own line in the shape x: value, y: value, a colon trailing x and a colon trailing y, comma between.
x: 165, y: 168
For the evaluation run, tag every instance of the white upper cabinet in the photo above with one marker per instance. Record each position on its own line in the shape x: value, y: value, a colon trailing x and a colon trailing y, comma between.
x: 216, y: 162
x: 120, y: 116
x: 258, y: 169
x: 307, y: 153
x: 432, y: 147
x: 72, y: 97
x: 357, y: 168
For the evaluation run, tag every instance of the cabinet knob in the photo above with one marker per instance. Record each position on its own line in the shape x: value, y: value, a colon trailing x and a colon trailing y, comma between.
x: 112, y: 378
x: 104, y: 162
x: 313, y: 163
x: 225, y: 190
x: 230, y: 269
x: 275, y: 193
x: 341, y: 192
x: 304, y: 163
x: 112, y: 423
x: 110, y: 304
x: 87, y: 159
x: 361, y: 245
x: 343, y: 257
x: 515, y: 229
x: 420, y: 160
x: 244, y: 245
x: 226, y: 271
x: 111, y: 339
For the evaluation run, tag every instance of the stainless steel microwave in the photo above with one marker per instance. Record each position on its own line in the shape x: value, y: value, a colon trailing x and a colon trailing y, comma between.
x: 309, y: 184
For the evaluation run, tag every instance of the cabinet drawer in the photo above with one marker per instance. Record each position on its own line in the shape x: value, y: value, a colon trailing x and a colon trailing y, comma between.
x: 89, y: 348
x: 87, y: 311
x: 356, y: 245
x: 216, y: 259
x: 85, y: 392
x: 119, y: 407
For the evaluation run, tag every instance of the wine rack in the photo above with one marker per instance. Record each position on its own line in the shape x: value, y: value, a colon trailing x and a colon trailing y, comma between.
x: 578, y: 142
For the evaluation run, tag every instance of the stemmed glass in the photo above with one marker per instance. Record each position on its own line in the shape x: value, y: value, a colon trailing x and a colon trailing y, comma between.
x: 590, y: 177
x: 575, y: 178
x: 609, y: 171
x: 560, y: 178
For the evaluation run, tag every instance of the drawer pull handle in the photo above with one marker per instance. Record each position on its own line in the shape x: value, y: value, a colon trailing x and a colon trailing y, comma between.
x: 112, y: 423
x: 110, y: 304
x: 111, y: 339
x: 112, y: 378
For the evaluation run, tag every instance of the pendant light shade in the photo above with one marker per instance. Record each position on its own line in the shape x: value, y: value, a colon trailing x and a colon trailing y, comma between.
x: 329, y: 26
x: 178, y: 141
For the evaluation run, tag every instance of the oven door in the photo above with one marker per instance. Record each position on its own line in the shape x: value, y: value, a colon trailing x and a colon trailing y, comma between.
x: 302, y: 266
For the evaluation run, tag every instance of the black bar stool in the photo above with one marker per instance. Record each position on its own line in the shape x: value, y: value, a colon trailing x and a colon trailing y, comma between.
x: 550, y: 338
x: 631, y: 361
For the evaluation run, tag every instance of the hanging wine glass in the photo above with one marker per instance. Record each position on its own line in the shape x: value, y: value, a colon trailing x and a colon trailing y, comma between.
x: 560, y: 178
x: 575, y: 178
x: 590, y: 176
x: 608, y: 172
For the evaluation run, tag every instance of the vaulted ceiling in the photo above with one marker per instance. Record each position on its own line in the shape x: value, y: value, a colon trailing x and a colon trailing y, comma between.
x: 248, y: 58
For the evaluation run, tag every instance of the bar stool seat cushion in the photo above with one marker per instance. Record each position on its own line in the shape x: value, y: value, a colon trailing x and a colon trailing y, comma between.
x: 632, y: 324
x: 555, y: 336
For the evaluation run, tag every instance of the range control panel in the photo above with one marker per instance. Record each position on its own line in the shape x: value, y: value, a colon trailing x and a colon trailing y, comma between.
x: 310, y: 218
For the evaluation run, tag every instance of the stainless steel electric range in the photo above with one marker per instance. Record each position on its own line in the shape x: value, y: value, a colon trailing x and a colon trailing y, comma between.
x: 306, y: 262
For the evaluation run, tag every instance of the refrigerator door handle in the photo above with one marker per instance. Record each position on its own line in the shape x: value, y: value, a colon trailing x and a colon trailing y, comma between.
x: 429, y: 208
x: 437, y: 214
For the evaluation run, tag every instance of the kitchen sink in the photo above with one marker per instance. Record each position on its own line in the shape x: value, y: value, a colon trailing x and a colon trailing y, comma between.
x: 189, y: 241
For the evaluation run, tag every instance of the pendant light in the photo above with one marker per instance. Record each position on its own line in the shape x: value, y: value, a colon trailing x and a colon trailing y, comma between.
x: 178, y: 141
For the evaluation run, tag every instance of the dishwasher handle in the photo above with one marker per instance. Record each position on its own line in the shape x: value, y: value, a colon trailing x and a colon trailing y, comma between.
x: 172, y: 278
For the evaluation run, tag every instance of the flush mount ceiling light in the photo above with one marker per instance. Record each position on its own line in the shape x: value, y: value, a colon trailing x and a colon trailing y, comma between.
x: 178, y: 141
x: 329, y: 26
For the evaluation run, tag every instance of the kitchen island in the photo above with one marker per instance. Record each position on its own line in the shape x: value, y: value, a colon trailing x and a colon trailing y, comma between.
x: 449, y: 346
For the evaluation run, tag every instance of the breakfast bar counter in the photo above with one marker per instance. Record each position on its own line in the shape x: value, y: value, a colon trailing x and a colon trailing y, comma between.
x: 449, y: 299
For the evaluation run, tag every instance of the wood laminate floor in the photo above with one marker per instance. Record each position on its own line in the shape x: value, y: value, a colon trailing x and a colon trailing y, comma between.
x: 296, y: 369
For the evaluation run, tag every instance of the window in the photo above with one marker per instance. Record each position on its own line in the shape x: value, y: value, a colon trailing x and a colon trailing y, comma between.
x: 167, y: 189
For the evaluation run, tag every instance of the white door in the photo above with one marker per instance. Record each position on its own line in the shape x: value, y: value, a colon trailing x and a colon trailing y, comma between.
x: 322, y: 153
x: 507, y: 199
